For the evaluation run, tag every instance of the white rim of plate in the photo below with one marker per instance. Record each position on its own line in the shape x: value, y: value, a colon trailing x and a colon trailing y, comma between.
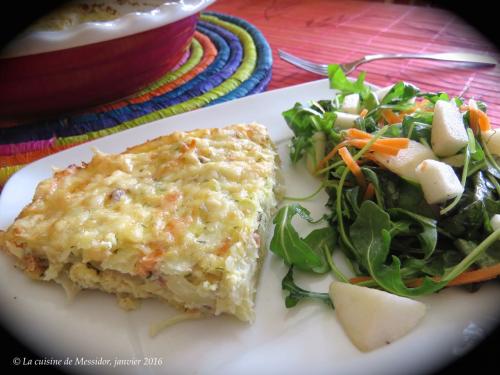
x: 35, y: 42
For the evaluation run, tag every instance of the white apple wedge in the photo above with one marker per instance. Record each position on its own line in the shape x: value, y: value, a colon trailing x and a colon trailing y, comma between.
x: 407, y: 159
x: 492, y: 139
x: 351, y: 104
x: 316, y: 152
x: 448, y: 134
x: 372, y: 318
x: 345, y: 120
x: 495, y: 222
x: 438, y: 181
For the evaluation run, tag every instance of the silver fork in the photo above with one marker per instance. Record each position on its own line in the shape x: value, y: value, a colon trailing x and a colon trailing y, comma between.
x: 322, y: 69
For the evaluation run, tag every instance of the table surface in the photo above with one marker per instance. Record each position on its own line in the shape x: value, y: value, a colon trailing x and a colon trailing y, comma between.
x: 341, y: 31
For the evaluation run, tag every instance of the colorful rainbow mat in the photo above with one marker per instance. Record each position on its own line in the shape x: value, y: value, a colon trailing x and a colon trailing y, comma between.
x: 228, y: 58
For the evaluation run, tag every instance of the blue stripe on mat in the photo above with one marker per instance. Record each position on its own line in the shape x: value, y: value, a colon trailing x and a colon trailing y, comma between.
x: 264, y: 61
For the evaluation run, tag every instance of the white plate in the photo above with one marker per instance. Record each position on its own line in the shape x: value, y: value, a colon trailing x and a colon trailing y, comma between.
x: 306, y: 339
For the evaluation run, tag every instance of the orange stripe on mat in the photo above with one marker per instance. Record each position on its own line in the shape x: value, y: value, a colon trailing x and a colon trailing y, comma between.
x: 209, y: 54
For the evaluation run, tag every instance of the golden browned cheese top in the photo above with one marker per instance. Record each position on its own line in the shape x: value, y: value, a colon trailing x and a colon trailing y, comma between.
x: 182, y: 203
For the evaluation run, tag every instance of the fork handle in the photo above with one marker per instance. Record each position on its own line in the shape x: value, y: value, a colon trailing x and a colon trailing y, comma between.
x: 464, y: 57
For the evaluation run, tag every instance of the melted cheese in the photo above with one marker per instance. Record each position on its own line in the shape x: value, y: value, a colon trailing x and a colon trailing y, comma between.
x: 77, y: 12
x: 180, y: 212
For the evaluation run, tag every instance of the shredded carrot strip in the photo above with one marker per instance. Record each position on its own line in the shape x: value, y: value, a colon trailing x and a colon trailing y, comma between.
x: 223, y: 249
x: 331, y: 154
x: 478, y: 120
x: 394, y: 142
x: 391, y: 117
x: 363, y: 113
x: 147, y: 262
x: 359, y: 139
x: 356, y: 133
x: 473, y: 120
x: 353, y: 166
x: 359, y: 279
x: 384, y: 149
x: 483, y: 121
x: 369, y: 192
x: 476, y: 276
x: 468, y: 277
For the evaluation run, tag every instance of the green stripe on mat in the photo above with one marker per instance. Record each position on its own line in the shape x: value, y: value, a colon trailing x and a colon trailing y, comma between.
x: 6, y: 172
x: 194, y: 59
x: 243, y: 72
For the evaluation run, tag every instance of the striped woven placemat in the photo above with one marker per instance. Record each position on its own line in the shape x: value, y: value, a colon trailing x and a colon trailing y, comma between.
x: 228, y: 58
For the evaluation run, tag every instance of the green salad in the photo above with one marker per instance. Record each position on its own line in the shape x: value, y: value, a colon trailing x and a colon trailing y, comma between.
x: 413, y: 185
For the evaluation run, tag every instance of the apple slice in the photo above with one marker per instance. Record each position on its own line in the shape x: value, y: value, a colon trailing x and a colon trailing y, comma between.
x: 372, y: 318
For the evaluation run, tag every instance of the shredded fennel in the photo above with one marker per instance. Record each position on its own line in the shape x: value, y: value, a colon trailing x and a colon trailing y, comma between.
x: 156, y: 328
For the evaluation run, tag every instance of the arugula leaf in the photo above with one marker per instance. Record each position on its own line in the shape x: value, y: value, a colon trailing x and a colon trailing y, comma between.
x: 296, y: 293
x: 399, y: 193
x: 372, y: 177
x: 394, y: 131
x: 411, y: 198
x: 414, y: 268
x: 466, y: 222
x: 365, y: 234
x: 400, y: 227
x: 320, y: 241
x: 476, y: 152
x: 474, y: 210
x: 416, y: 130
x: 489, y: 258
x: 304, y: 122
x: 400, y: 92
x: 328, y: 105
x: 371, y: 101
x: 472, y: 257
x: 427, y: 236
x: 482, y: 188
x: 307, y: 121
x: 370, y: 235
x: 339, y: 81
x: 294, y: 250
x: 367, y: 124
x: 298, y: 147
x: 492, y: 206
x: 298, y: 119
x: 424, y: 117
x: 433, y: 97
x: 352, y: 198
x: 436, y: 265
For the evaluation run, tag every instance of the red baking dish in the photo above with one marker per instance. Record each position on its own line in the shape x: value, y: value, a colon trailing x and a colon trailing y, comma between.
x: 64, y: 80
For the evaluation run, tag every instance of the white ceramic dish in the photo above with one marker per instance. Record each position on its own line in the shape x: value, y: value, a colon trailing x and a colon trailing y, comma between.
x: 128, y: 23
x: 306, y: 339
